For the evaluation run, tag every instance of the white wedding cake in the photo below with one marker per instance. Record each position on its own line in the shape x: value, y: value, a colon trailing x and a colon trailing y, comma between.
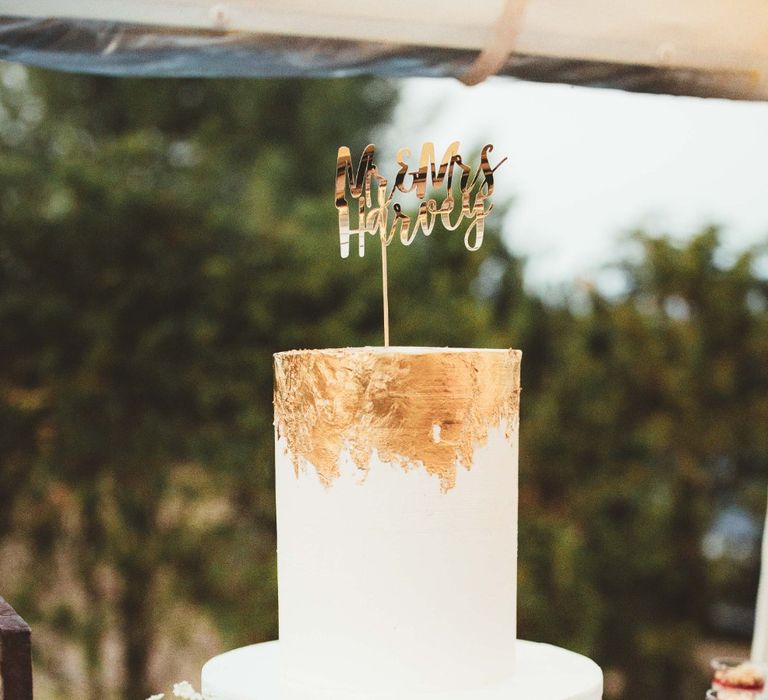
x: 396, y: 480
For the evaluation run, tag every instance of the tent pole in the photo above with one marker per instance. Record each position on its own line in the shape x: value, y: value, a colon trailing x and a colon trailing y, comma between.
x: 760, y: 636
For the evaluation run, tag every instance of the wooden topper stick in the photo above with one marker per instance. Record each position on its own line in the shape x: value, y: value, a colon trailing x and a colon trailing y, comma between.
x: 385, y: 291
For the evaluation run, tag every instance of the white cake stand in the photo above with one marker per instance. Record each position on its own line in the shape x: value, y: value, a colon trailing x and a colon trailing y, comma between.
x: 544, y: 672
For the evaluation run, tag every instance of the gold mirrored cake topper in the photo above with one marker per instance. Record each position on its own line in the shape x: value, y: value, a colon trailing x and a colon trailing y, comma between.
x: 365, y: 191
x: 368, y: 191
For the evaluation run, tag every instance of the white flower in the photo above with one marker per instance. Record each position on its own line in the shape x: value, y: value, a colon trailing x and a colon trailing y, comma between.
x: 159, y: 696
x: 185, y: 691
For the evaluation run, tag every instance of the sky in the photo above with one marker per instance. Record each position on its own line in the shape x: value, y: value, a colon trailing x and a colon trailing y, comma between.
x: 587, y: 166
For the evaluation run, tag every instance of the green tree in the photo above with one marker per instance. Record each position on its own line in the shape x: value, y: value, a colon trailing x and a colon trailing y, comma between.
x: 154, y: 238
x: 646, y: 398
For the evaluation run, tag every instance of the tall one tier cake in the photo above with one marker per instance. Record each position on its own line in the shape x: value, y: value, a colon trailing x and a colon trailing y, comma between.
x: 396, y: 478
x: 397, y: 517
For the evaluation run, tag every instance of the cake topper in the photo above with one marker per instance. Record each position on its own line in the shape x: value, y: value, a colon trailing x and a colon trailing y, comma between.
x: 372, y: 199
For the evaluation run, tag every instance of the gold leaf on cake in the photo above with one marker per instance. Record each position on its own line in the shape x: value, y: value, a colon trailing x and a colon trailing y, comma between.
x: 427, y: 409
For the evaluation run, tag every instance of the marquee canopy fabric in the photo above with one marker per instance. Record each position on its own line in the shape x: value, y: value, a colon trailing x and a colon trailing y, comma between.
x: 688, y: 47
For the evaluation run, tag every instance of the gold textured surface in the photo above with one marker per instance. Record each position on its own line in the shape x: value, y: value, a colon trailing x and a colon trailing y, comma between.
x: 366, y: 399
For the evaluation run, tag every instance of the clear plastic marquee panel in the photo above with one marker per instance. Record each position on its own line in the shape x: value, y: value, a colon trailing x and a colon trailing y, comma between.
x: 715, y: 49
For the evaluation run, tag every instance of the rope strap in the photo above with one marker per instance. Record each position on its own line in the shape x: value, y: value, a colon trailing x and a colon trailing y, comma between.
x: 501, y: 43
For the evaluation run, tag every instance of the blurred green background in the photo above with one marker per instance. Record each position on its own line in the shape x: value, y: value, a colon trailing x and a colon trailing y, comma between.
x: 159, y: 240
